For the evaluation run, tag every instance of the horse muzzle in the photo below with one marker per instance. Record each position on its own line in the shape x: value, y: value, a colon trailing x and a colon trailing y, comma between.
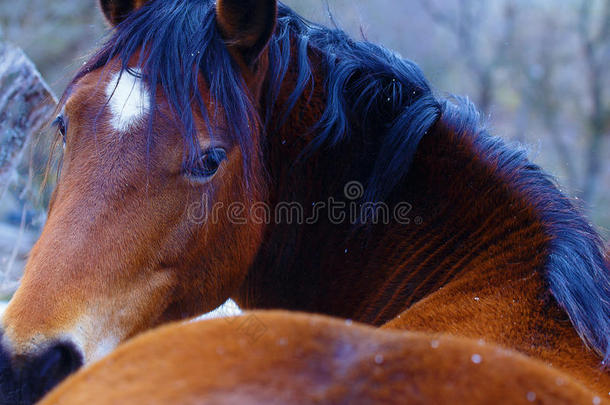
x: 24, y: 379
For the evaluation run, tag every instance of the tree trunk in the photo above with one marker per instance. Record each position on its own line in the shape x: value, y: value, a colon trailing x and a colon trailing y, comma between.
x: 26, y: 104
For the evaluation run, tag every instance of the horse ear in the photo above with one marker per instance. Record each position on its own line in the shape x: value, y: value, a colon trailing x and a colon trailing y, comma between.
x: 246, y: 25
x: 117, y: 10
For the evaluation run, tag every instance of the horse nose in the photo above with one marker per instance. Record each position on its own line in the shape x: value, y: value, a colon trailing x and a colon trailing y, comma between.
x: 26, y: 379
x: 53, y: 365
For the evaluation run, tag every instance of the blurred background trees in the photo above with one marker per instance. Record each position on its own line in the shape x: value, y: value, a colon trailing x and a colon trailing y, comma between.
x: 537, y: 70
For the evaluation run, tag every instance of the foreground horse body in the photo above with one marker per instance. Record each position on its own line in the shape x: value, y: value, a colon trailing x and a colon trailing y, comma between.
x: 303, y: 359
x: 170, y: 172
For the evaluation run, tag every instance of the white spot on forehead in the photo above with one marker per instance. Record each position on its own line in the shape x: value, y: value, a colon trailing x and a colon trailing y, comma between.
x: 129, y: 100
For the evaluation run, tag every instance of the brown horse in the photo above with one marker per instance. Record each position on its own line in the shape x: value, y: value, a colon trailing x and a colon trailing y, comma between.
x: 289, y: 358
x: 236, y: 150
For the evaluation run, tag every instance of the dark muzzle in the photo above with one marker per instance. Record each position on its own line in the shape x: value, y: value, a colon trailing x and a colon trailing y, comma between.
x: 25, y: 380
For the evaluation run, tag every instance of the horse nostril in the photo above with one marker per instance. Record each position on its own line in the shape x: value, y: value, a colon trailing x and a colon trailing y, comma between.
x: 51, y: 367
x: 61, y: 359
x: 8, y: 379
x: 25, y: 380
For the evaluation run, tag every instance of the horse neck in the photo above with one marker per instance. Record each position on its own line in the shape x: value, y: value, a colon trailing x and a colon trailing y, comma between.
x: 373, y: 273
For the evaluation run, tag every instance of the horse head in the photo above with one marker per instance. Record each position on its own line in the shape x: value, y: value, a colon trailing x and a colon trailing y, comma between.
x: 137, y: 231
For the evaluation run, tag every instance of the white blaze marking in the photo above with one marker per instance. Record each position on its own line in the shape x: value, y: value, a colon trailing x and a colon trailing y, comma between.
x: 129, y: 100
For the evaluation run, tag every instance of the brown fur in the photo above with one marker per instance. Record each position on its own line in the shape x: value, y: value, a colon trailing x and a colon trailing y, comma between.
x: 501, y: 295
x: 303, y: 359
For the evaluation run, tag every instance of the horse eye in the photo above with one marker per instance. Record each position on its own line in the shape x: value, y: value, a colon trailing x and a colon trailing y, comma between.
x: 208, y: 163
